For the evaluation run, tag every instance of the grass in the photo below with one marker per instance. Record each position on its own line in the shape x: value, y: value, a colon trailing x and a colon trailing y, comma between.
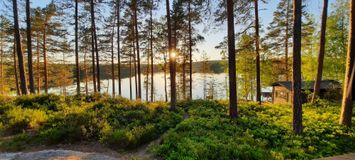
x: 198, y: 130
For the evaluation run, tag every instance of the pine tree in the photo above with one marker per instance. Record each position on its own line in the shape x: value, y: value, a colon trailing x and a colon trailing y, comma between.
x: 95, y: 43
x: 279, y: 33
x: 135, y: 17
x: 296, y: 76
x: 23, y: 83
x: 77, y: 64
x: 151, y: 51
x: 171, y: 60
x: 257, y: 51
x: 29, y: 47
x: 18, y: 91
x: 118, y: 11
x: 321, y: 51
x: 347, y: 108
x: 231, y: 61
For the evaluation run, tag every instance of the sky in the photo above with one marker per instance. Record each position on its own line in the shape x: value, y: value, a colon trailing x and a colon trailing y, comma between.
x: 214, y: 36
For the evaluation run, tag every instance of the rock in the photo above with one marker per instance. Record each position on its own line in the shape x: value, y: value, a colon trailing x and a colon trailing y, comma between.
x: 54, y: 155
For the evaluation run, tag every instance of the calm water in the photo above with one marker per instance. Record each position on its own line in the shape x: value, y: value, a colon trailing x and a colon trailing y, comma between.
x: 203, y: 86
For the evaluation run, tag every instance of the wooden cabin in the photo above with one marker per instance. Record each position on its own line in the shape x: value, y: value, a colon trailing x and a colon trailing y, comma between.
x: 329, y: 89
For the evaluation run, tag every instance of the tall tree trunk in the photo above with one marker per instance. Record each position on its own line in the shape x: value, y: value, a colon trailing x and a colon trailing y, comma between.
x: 18, y: 91
x: 257, y: 49
x: 231, y: 61
x: 86, y: 75
x: 165, y: 81
x: 321, y: 52
x: 118, y: 47
x: 135, y: 70
x: 38, y: 66
x: 113, y: 62
x: 151, y: 54
x: 185, y: 66
x: 286, y: 39
x: 296, y: 76
x: 135, y: 10
x: 21, y: 63
x: 184, y: 77
x: 77, y: 69
x: 98, y: 73
x: 1, y: 66
x: 347, y: 108
x: 65, y: 76
x: 130, y: 75
x: 93, y: 24
x: 190, y: 50
x: 147, y: 77
x: 29, y: 47
x: 171, y: 61
x: 93, y: 59
x: 45, y: 59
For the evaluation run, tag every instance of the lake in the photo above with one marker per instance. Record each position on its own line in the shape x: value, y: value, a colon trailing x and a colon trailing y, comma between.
x: 203, y: 86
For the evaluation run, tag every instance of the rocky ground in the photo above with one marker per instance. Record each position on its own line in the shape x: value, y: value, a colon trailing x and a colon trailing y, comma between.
x: 55, y: 155
x: 82, y: 151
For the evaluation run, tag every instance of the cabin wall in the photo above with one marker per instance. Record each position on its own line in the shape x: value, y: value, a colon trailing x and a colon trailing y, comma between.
x: 281, y: 95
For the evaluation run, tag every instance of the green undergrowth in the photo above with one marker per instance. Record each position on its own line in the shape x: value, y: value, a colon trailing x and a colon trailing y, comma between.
x: 197, y: 130
x: 48, y: 120
x: 260, y: 132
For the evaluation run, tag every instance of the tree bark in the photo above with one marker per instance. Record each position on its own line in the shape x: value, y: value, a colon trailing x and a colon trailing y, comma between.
x: 347, y: 108
x: 171, y: 61
x: 93, y: 24
x: 77, y: 69
x: 118, y: 47
x: 135, y: 10
x: 190, y: 50
x: 1, y: 66
x: 147, y: 78
x: 231, y: 61
x: 93, y: 59
x: 38, y: 66
x: 184, y: 77
x: 257, y: 49
x: 321, y: 52
x: 165, y: 81
x: 45, y: 59
x: 286, y: 39
x: 29, y: 47
x: 151, y: 54
x: 86, y: 75
x: 23, y: 83
x: 296, y: 77
x: 135, y: 70
x: 130, y: 75
x: 18, y: 91
x: 113, y: 62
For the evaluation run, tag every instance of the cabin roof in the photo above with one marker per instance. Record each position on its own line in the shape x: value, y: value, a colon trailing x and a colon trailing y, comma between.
x: 308, y: 85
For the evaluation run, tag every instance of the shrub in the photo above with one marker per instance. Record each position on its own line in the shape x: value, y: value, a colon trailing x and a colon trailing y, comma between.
x: 46, y: 102
x: 131, y: 138
x: 72, y: 128
x: 20, y: 119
